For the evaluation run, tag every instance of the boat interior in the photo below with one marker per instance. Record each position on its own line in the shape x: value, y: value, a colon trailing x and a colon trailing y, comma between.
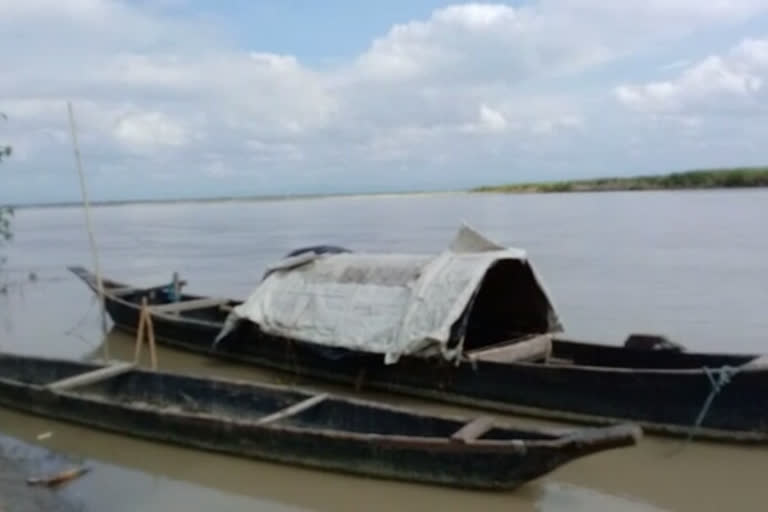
x: 172, y: 393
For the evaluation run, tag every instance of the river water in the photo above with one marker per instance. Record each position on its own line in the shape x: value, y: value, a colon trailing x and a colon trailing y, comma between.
x: 690, y: 265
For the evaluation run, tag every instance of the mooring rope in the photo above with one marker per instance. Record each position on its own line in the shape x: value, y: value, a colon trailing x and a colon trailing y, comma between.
x: 75, y: 329
x: 718, y: 379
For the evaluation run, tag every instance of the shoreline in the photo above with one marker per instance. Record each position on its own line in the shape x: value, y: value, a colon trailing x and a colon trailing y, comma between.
x: 713, y: 179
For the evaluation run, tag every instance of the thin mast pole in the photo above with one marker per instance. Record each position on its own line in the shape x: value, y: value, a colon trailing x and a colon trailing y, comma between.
x: 87, y: 208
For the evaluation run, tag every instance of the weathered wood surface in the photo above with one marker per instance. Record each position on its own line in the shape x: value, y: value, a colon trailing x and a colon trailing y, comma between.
x: 293, y: 409
x: 175, y: 307
x: 58, y: 478
x: 539, y: 347
x: 122, y: 290
x: 91, y: 377
x: 473, y: 430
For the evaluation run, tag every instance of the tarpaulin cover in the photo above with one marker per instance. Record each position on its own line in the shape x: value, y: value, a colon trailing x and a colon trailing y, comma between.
x: 391, y: 304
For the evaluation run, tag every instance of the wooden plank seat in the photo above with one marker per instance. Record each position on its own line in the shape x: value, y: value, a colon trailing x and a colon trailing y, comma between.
x: 473, y: 430
x: 83, y: 379
x: 293, y: 409
x: 533, y: 349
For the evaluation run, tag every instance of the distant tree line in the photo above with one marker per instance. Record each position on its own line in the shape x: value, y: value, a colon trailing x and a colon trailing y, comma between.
x: 712, y: 178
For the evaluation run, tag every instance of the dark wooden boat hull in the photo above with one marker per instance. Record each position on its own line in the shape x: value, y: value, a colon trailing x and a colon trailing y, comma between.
x: 663, y: 391
x: 222, y: 415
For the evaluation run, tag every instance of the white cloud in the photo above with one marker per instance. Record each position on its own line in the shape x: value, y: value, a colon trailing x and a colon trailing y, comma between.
x: 685, y: 13
x: 548, y: 126
x: 735, y: 81
x: 499, y: 42
x: 489, y: 120
x: 678, y: 64
x: 473, y: 42
x: 149, y: 129
x: 89, y: 11
x: 492, y: 119
x: 264, y: 151
x: 491, y: 85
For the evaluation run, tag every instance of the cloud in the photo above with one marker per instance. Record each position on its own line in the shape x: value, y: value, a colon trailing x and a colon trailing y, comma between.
x: 678, y: 64
x: 479, y: 42
x: 717, y: 84
x: 491, y: 119
x: 164, y: 92
x: 548, y: 126
x: 149, y: 129
x: 475, y: 41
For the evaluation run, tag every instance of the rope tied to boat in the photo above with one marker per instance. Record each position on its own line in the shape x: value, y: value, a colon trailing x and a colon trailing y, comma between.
x: 718, y: 379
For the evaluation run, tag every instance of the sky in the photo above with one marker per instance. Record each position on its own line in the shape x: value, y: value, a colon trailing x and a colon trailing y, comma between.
x: 188, y: 98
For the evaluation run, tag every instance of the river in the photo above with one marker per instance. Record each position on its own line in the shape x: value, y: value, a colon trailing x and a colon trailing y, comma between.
x: 690, y: 265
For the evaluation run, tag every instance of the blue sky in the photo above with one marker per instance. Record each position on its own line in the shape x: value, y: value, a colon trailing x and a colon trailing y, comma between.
x: 185, y: 98
x: 317, y: 32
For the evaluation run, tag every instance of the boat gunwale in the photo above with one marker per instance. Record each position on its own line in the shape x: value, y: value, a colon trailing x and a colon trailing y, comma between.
x: 180, y: 319
x: 513, y: 446
x: 744, y: 436
x: 714, y: 434
x: 676, y: 430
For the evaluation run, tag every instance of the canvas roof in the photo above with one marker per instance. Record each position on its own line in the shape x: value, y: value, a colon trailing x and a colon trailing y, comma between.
x: 396, y: 304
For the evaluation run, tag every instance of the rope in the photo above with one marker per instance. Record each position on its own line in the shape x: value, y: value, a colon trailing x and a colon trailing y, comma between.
x: 718, y: 379
x: 79, y: 323
x: 74, y: 331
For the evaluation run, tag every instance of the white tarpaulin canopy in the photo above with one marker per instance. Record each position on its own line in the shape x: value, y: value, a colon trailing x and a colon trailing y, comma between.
x: 398, y: 304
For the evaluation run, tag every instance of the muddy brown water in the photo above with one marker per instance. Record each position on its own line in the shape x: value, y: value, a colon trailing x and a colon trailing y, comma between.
x: 613, y: 264
x: 104, y: 486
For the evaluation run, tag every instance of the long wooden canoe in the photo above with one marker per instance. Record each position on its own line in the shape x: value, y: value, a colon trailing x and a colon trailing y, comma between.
x: 277, y: 423
x: 679, y: 393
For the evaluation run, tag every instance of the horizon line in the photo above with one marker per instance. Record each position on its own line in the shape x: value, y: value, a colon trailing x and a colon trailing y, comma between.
x: 222, y: 199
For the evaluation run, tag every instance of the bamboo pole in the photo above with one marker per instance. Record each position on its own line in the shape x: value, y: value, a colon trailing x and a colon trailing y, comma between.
x: 176, y: 289
x: 140, y: 331
x: 91, y: 238
x: 151, y: 332
x: 145, y: 325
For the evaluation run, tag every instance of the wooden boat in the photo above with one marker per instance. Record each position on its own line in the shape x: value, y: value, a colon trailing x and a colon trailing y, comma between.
x: 281, y: 424
x: 671, y: 392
